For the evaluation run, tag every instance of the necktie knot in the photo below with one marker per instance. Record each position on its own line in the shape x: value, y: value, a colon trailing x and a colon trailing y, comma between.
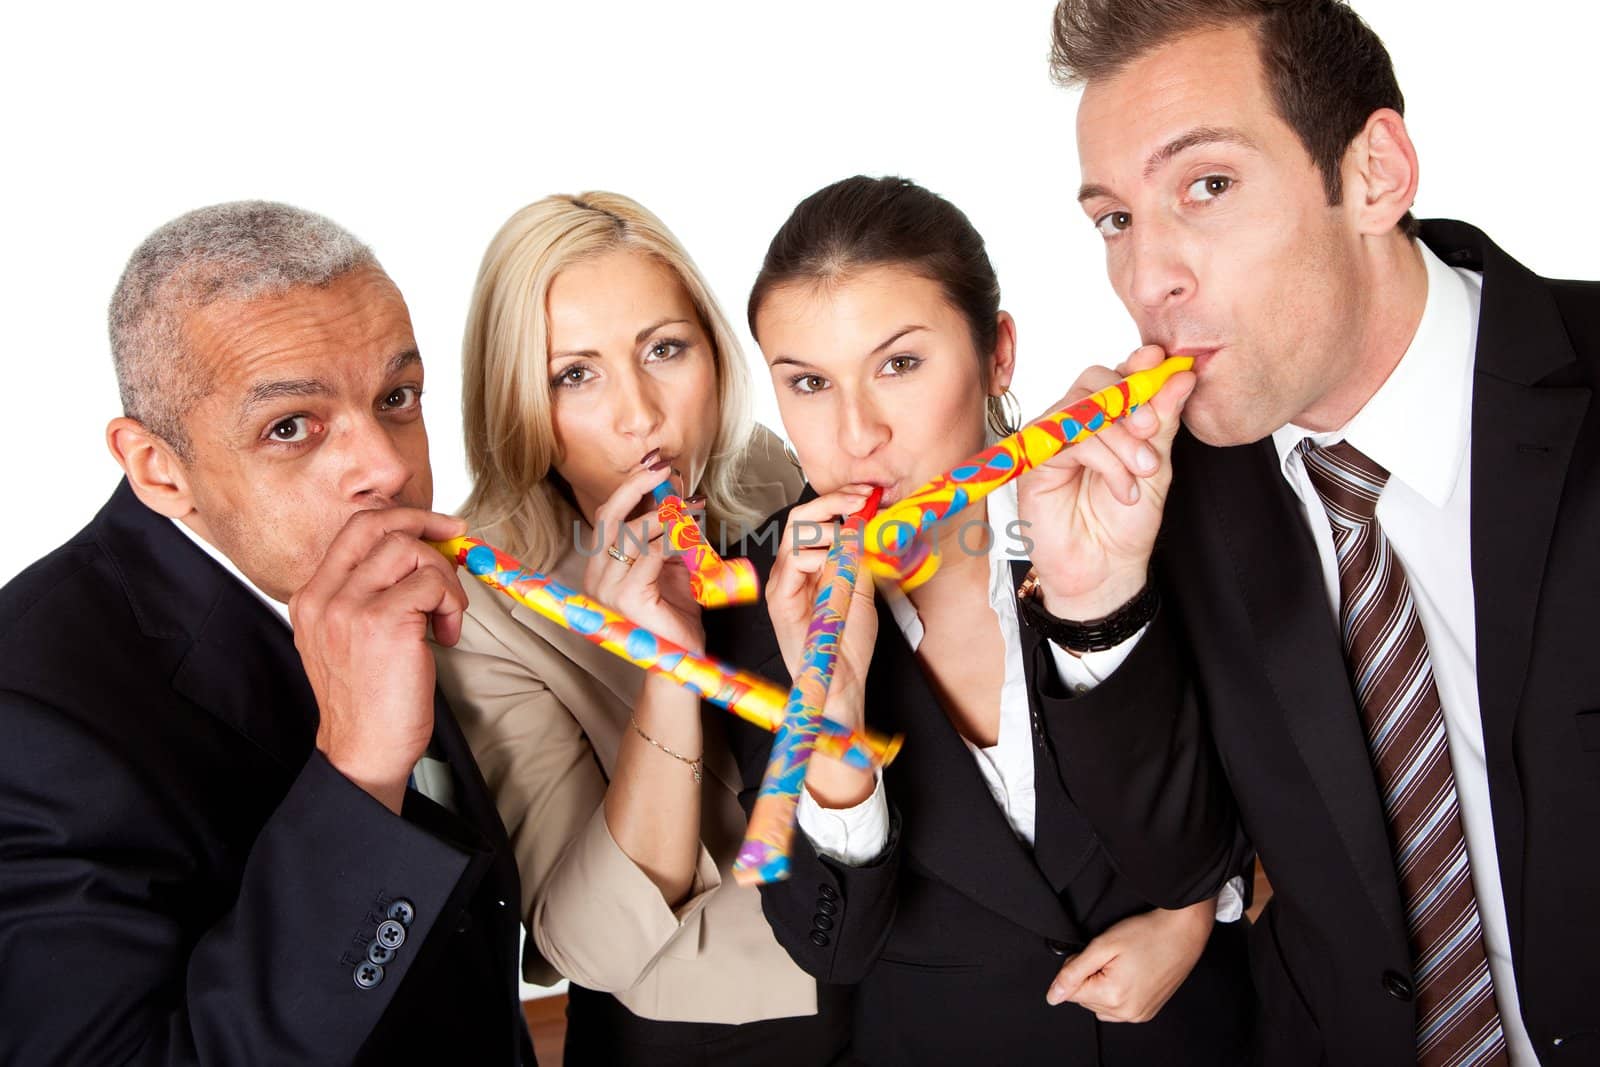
x: 1347, y: 481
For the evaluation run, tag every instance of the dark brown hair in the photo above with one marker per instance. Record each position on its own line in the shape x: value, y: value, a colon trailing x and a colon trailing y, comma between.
x: 1326, y: 71
x: 870, y: 222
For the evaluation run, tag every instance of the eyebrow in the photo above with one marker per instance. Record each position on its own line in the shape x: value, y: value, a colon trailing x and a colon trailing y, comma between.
x: 263, y: 393
x: 638, y: 339
x: 401, y: 361
x: 891, y: 339
x: 1200, y: 135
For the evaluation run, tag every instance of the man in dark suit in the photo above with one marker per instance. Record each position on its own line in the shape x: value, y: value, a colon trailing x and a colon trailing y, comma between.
x: 209, y: 849
x: 1371, y: 548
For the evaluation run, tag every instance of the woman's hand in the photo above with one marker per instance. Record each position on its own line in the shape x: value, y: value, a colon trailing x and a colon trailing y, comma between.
x: 652, y: 805
x: 792, y: 590
x: 652, y: 590
x: 1132, y: 969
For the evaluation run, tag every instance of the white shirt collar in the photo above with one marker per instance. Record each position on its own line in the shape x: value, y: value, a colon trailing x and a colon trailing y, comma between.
x: 1416, y: 424
x: 280, y: 609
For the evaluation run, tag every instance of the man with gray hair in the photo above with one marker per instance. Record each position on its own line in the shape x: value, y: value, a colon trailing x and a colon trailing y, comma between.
x: 214, y: 696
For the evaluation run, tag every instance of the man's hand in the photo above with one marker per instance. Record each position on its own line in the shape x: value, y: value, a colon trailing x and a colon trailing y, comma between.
x: 361, y: 626
x: 1129, y: 972
x: 1095, y: 509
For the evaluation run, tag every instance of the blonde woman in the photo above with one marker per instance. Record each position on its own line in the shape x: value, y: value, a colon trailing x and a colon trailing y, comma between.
x: 598, y: 364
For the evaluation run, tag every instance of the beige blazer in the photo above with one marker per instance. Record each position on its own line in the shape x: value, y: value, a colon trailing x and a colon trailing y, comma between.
x: 545, y: 712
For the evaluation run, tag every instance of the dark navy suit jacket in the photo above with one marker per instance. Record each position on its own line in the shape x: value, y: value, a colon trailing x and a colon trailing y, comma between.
x: 183, y: 877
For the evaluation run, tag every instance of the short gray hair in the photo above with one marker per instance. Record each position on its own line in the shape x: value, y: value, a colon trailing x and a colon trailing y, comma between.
x: 245, y: 250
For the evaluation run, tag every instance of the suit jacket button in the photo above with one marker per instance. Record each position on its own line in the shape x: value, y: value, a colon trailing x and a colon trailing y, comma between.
x: 368, y: 974
x: 827, y: 907
x: 827, y: 892
x: 391, y: 934
x: 465, y: 924
x: 1397, y: 985
x: 378, y: 954
x: 821, y: 922
x: 819, y: 938
x: 1062, y: 948
x: 402, y: 912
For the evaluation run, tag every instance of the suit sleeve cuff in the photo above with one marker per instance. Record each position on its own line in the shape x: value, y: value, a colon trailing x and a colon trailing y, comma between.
x: 331, y: 853
x: 854, y: 836
x: 601, y: 921
x: 1081, y: 673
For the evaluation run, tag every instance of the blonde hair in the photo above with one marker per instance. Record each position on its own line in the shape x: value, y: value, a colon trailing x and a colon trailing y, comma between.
x: 516, y: 499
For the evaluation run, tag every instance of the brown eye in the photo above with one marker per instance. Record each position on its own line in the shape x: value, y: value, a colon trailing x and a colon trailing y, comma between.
x: 291, y: 430
x: 1113, y: 223
x: 571, y: 377
x: 1210, y: 187
x: 664, y: 350
x: 404, y: 397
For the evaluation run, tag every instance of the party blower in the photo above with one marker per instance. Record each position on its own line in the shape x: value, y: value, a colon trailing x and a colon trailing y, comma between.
x: 714, y: 582
x: 897, y: 543
x: 747, y: 695
x: 764, y: 855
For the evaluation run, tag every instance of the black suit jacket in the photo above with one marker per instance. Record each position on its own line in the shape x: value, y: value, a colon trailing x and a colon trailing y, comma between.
x: 183, y: 878
x: 1236, y: 707
x: 953, y: 935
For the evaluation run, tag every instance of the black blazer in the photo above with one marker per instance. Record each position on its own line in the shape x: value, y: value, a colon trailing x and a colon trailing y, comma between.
x: 183, y: 878
x: 1236, y: 707
x: 952, y: 937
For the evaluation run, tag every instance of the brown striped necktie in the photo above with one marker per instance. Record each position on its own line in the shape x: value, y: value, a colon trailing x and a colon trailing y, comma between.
x: 1387, y: 652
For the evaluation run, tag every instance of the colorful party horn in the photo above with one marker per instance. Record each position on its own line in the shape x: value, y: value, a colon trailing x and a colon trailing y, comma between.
x: 747, y: 695
x: 714, y: 582
x: 898, y: 544
x: 764, y: 856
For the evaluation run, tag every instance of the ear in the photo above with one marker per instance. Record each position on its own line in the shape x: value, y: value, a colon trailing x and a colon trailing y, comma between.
x: 1380, y: 173
x: 1003, y: 360
x: 155, y: 472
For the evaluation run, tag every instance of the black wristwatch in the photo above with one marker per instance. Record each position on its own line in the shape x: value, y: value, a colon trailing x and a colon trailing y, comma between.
x: 1094, y: 635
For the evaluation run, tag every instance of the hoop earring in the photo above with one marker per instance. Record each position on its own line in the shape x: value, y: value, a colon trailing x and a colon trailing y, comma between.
x: 1003, y: 413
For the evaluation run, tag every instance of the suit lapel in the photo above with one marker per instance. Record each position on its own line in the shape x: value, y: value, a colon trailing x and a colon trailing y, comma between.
x: 1279, y: 578
x: 241, y: 664
x: 1523, y: 434
x: 243, y: 668
x: 953, y: 828
x: 1522, y: 443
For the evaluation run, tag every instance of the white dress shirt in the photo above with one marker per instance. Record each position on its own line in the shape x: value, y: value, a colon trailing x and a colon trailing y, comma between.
x: 857, y: 835
x: 1417, y: 426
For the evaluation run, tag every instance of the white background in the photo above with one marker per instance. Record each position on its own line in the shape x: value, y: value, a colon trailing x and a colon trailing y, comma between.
x: 421, y: 128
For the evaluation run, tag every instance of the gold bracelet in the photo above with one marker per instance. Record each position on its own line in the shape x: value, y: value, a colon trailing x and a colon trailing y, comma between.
x: 697, y: 765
